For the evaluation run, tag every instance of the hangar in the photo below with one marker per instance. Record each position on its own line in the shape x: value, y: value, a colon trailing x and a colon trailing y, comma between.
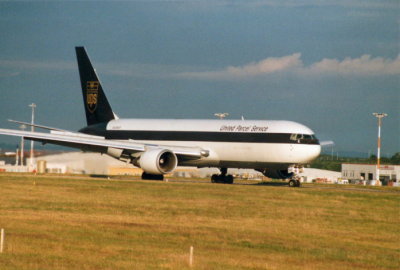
x: 388, y: 173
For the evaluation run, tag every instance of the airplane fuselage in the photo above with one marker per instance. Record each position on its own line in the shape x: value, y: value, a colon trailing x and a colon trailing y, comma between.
x: 230, y: 143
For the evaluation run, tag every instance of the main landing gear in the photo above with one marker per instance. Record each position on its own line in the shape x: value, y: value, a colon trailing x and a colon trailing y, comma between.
x: 147, y: 176
x: 223, y: 177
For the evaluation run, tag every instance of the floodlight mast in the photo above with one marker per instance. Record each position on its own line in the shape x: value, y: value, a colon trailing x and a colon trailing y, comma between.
x: 22, y: 127
x: 33, y: 106
x: 378, y: 163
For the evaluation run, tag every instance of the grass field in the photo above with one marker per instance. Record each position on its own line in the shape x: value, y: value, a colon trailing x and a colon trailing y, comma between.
x: 92, y: 223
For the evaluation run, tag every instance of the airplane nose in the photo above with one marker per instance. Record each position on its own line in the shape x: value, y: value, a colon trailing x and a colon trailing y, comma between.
x: 314, y: 153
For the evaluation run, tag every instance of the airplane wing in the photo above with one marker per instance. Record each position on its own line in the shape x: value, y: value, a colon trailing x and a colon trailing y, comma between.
x: 100, y: 144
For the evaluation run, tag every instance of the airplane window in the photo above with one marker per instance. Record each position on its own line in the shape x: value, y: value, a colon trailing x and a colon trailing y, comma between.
x: 303, y: 138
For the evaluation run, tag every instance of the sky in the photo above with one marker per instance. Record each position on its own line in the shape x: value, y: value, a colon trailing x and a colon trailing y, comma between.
x: 326, y: 64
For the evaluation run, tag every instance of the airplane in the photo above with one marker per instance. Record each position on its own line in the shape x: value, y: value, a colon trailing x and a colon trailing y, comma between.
x: 158, y: 146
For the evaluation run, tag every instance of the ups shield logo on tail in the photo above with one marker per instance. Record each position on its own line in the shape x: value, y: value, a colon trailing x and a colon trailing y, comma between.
x: 92, y: 93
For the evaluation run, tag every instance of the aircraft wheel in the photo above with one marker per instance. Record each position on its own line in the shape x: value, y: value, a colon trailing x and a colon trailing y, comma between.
x: 229, y: 179
x: 148, y: 176
x: 292, y: 183
x: 216, y: 178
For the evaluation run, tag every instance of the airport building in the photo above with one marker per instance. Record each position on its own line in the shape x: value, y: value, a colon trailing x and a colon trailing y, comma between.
x: 388, y: 173
x: 83, y: 163
x: 310, y: 175
x: 4, y: 167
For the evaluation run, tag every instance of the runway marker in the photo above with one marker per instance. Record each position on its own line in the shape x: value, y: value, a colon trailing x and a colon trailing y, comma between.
x: 191, y: 257
x: 2, y: 240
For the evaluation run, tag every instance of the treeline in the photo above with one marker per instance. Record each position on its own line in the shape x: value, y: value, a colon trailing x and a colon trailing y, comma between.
x: 327, y: 162
x: 394, y: 160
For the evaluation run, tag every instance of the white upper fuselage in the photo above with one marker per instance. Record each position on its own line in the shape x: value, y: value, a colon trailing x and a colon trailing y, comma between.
x: 231, y: 143
x: 257, y: 126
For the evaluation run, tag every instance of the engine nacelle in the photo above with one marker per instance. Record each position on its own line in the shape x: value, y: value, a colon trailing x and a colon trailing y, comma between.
x: 158, y: 161
x: 114, y: 152
x: 277, y: 174
x: 119, y: 154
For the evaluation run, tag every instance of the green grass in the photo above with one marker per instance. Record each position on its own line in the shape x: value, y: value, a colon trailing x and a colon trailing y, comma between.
x: 91, y: 223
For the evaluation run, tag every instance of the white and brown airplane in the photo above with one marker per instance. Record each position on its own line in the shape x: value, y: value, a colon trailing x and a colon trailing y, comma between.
x: 158, y: 146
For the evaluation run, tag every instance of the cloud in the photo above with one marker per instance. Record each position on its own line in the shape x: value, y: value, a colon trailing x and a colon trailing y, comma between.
x: 14, y: 68
x: 364, y: 65
x: 9, y: 74
x: 266, y: 66
x: 122, y: 69
x: 21, y: 64
x: 384, y: 4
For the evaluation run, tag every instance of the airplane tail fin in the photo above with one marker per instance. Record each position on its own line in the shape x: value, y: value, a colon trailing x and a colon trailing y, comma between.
x: 97, y: 108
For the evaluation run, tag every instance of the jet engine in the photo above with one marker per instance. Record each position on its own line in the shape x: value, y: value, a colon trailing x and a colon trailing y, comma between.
x: 276, y: 173
x: 158, y: 161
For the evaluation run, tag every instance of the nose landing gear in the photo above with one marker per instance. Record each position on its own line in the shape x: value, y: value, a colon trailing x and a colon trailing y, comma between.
x: 294, y: 183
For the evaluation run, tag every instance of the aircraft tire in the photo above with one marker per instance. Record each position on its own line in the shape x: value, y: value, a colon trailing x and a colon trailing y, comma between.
x: 147, y: 176
x: 228, y: 179
x: 219, y: 178
x: 292, y: 183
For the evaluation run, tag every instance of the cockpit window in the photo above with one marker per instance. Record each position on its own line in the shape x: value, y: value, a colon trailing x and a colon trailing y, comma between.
x: 295, y: 137
x: 304, y: 138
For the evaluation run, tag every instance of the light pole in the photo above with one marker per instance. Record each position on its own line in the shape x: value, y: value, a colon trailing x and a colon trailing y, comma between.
x: 379, y: 116
x: 33, y: 106
x: 221, y: 115
x: 22, y: 127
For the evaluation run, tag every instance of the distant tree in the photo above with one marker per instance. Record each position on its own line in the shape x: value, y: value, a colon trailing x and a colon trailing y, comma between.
x: 395, y: 159
x: 385, y: 160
